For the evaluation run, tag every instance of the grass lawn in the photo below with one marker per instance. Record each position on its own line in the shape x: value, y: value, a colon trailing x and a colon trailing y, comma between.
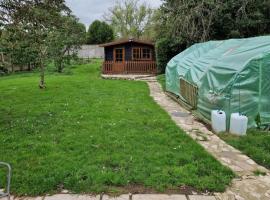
x: 162, y: 80
x: 256, y: 145
x: 90, y: 135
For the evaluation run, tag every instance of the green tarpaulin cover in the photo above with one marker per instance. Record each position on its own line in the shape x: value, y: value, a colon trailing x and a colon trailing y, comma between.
x: 231, y: 75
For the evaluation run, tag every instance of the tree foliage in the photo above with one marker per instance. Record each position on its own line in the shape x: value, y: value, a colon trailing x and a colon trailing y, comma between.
x: 197, y: 21
x: 99, y: 32
x: 66, y: 41
x: 129, y: 19
x: 165, y: 49
x: 242, y: 18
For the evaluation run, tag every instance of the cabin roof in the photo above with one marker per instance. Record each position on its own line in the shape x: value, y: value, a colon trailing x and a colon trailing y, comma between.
x: 123, y: 41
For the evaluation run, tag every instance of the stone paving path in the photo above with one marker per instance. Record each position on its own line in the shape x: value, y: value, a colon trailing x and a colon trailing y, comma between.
x: 128, y: 77
x: 122, y: 197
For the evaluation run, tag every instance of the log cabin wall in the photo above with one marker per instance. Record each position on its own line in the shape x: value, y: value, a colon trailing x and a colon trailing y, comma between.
x: 128, y: 50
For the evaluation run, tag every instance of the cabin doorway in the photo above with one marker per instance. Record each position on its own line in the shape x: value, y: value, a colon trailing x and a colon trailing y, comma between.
x: 119, y: 60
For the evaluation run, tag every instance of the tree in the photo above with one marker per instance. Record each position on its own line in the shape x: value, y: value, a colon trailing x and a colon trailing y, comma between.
x: 214, y: 19
x: 153, y: 26
x: 129, y: 19
x: 190, y: 22
x: 166, y: 49
x: 242, y: 18
x: 66, y: 41
x: 17, y: 46
x: 33, y: 21
x: 99, y: 32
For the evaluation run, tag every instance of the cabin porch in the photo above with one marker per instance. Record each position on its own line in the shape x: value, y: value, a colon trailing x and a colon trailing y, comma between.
x: 129, y: 67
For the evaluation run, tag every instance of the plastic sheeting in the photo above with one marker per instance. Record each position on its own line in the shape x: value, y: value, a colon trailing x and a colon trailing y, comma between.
x: 231, y: 75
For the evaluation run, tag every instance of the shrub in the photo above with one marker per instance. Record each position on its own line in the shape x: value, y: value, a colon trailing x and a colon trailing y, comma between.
x: 166, y: 49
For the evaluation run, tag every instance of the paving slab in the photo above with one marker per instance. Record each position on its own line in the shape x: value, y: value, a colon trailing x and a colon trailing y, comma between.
x: 158, y: 197
x: 25, y: 198
x: 71, y: 197
x: 129, y: 77
x: 122, y: 197
x: 201, y: 197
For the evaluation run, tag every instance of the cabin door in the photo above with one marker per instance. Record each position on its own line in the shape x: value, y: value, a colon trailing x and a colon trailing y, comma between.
x: 119, y: 60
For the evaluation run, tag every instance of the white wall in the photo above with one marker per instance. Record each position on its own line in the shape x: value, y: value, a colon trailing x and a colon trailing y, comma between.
x: 91, y: 51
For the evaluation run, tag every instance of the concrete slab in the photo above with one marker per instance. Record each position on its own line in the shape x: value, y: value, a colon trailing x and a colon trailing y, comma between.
x: 24, y: 198
x: 71, y: 197
x: 158, y: 197
x: 122, y: 197
x: 201, y: 197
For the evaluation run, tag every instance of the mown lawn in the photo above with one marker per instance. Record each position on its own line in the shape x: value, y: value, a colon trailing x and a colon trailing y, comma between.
x: 256, y: 145
x: 90, y: 135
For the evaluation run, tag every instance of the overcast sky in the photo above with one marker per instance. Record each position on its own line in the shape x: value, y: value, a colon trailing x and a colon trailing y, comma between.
x: 89, y: 10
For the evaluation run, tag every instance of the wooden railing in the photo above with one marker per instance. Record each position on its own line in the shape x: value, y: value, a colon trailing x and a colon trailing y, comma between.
x: 107, y: 67
x: 129, y: 67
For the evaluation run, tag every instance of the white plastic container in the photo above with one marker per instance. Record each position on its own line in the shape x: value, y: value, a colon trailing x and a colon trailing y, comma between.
x: 238, y: 124
x: 218, y: 119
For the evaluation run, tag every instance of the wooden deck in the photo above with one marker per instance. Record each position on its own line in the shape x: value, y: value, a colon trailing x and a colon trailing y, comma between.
x: 129, y: 67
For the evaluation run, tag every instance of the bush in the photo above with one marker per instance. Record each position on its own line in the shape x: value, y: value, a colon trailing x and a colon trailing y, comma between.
x: 3, y: 71
x: 166, y: 49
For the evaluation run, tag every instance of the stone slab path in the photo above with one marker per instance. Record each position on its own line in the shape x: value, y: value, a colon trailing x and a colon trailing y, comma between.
x: 128, y: 77
x: 122, y: 197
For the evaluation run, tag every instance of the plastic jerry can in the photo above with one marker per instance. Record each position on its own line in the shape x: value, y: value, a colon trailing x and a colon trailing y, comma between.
x: 218, y: 120
x: 238, y: 124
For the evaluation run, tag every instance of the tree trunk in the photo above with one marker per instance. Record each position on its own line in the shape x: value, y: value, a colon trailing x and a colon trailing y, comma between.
x: 42, y: 75
x: 2, y: 57
x: 60, y: 66
x: 68, y: 56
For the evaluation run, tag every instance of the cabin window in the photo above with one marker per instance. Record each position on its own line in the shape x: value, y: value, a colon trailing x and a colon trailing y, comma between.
x: 146, y: 53
x: 119, y: 55
x: 136, y: 53
x: 141, y: 54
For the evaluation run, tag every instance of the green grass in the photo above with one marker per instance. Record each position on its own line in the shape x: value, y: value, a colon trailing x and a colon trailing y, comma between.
x: 90, y: 135
x: 162, y: 80
x: 256, y: 145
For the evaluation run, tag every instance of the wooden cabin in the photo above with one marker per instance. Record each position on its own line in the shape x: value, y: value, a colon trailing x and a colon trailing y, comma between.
x: 129, y: 56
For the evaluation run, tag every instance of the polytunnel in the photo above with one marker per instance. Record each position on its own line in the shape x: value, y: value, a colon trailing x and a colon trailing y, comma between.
x: 231, y: 75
